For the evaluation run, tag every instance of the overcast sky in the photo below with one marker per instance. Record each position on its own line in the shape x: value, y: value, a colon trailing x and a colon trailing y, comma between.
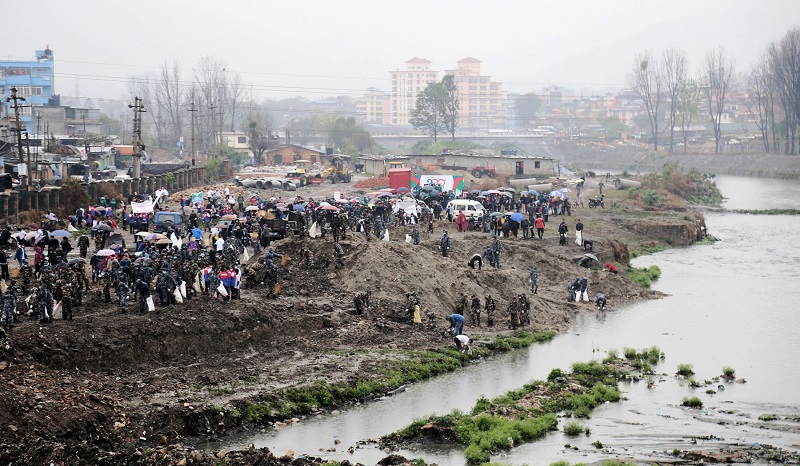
x: 323, y: 48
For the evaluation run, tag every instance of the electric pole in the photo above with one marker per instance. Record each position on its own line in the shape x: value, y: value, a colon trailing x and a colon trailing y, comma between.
x: 138, y: 146
x: 193, y: 110
x: 16, y: 108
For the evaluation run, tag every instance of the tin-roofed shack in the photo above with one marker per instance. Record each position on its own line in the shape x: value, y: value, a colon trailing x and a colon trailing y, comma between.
x: 505, y: 164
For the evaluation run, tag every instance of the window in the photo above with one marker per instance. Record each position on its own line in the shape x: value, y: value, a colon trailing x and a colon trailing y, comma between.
x: 242, y: 140
x: 520, y: 168
x: 537, y: 164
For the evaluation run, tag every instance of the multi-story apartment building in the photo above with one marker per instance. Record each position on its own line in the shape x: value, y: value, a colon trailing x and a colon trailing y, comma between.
x: 33, y: 80
x: 374, y: 108
x: 481, y: 99
x: 406, y: 84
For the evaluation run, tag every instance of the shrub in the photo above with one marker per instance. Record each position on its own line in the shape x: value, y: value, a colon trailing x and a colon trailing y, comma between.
x: 685, y: 370
x: 651, y: 198
x: 612, y: 357
x: 692, y: 402
x: 644, y: 276
x: 728, y: 372
x: 597, y: 444
x: 573, y: 428
x: 766, y: 417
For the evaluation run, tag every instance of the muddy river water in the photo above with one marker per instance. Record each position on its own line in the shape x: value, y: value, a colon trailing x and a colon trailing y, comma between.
x: 734, y: 303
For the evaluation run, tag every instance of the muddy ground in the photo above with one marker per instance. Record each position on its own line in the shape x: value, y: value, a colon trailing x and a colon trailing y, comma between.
x: 109, y: 388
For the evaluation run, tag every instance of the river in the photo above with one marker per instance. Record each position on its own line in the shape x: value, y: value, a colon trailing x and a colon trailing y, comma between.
x: 732, y: 303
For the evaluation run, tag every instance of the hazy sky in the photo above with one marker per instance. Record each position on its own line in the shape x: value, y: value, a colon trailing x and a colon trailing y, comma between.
x: 323, y: 48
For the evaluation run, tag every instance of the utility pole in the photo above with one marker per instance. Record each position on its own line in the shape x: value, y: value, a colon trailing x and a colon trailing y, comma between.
x: 85, y: 140
x: 193, y: 110
x: 16, y: 108
x: 138, y: 146
x: 212, y: 125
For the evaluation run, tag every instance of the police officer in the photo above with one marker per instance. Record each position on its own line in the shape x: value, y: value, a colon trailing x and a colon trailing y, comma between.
x: 534, y: 278
x: 444, y: 244
x: 414, y: 235
x: 9, y: 308
x: 143, y: 277
x: 83, y: 245
x: 44, y: 302
x: 490, y: 307
x: 475, y: 311
x: 121, y: 288
x: 496, y: 249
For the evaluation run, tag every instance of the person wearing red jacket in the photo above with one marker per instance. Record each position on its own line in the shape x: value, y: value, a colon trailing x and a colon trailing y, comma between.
x: 539, y: 226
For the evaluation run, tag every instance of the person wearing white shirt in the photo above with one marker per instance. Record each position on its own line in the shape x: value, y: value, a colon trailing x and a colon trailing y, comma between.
x: 462, y: 342
x: 219, y: 243
x: 227, y: 191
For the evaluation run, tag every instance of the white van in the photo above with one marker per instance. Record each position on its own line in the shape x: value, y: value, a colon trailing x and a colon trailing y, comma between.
x: 471, y: 209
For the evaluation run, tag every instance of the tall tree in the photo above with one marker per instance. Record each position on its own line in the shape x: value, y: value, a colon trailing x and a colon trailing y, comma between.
x: 717, y: 72
x: 648, y: 83
x: 759, y: 102
x: 258, y: 126
x: 427, y: 113
x: 785, y: 71
x: 689, y: 98
x: 450, y: 105
x: 526, y: 107
x: 437, y: 107
x: 169, y: 97
x: 674, y: 65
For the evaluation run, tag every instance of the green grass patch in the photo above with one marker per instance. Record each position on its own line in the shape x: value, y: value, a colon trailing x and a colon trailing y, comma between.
x: 767, y: 417
x: 685, y: 370
x: 573, y: 429
x: 648, y: 248
x: 692, y: 402
x: 644, y: 276
x: 521, y: 415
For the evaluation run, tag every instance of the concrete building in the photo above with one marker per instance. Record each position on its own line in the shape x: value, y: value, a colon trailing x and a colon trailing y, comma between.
x: 374, y: 108
x: 406, y: 84
x: 521, y: 166
x: 33, y: 80
x: 480, y: 98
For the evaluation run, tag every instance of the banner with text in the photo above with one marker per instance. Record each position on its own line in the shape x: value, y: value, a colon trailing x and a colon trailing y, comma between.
x: 145, y: 207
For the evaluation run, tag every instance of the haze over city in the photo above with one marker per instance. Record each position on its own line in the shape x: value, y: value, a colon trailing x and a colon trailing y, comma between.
x: 316, y: 49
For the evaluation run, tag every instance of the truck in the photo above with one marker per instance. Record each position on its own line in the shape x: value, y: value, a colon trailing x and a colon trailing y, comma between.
x: 164, y: 220
x: 478, y: 172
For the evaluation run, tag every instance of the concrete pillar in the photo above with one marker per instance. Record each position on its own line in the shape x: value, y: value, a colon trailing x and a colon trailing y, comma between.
x: 13, y: 207
x: 4, y: 206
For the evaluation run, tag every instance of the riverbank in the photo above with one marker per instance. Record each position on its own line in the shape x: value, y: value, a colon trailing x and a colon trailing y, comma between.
x: 129, y: 388
x: 632, y: 159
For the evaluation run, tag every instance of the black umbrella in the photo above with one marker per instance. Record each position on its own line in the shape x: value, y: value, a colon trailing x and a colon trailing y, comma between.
x: 77, y: 260
x: 114, y: 239
x: 103, y: 227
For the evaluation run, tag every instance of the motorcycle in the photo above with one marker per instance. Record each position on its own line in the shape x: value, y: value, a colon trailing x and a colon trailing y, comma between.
x: 597, y: 201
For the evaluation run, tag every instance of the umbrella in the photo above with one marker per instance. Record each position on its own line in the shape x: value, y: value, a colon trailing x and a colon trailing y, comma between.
x: 60, y: 233
x: 507, y: 194
x: 164, y: 241
x: 494, y: 191
x: 106, y: 252
x: 355, y: 201
x: 142, y: 261
x: 554, y: 193
x: 155, y: 236
x: 533, y: 193
x: 299, y: 208
x: 328, y: 207
x: 591, y: 256
x: 402, y: 189
x: 114, y: 239
x: 508, y: 189
x: 103, y: 227
x: 229, y: 217
x: 566, y: 190
x: 475, y: 191
x: 251, y: 208
x: 496, y: 214
x: 341, y: 201
x: 144, y: 234
x: 429, y: 187
x: 384, y: 194
x: 517, y: 217
x: 77, y: 260
x: 480, y: 197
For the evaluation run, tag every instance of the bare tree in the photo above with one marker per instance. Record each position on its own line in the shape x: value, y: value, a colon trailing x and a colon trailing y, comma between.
x: 784, y: 59
x: 170, y: 94
x: 717, y: 72
x: 760, y: 99
x: 210, y: 77
x: 258, y: 125
x: 648, y: 82
x: 688, y: 103
x: 674, y: 66
x: 236, y: 92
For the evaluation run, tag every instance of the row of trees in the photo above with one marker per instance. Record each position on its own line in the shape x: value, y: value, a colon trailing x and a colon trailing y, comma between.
x: 664, y: 79
x: 771, y: 91
x: 221, y: 101
x: 774, y: 94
